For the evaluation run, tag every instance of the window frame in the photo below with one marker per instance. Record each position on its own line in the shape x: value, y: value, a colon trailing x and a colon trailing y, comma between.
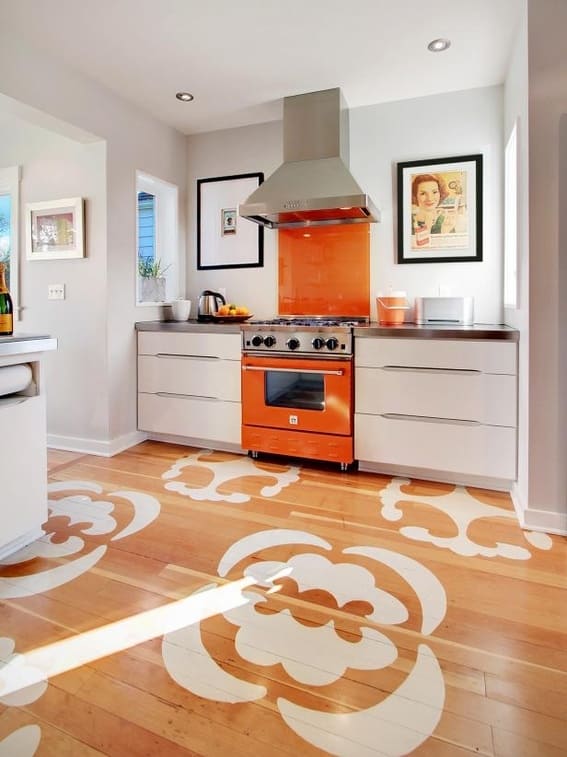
x: 166, y: 236
x: 511, y: 293
x: 10, y: 185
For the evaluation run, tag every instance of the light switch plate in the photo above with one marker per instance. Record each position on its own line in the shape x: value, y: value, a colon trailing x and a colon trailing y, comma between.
x: 56, y: 291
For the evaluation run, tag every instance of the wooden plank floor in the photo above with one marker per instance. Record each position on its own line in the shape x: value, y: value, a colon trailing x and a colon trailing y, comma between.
x: 417, y: 618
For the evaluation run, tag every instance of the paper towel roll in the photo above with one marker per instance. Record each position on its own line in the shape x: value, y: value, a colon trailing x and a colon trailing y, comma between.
x: 14, y: 378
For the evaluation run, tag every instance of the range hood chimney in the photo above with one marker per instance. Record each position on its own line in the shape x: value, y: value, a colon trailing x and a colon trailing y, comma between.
x: 313, y: 186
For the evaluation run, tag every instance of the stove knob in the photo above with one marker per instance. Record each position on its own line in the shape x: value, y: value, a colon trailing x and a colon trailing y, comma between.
x: 332, y: 343
x: 318, y: 343
x: 293, y: 343
x: 257, y: 340
x: 269, y: 341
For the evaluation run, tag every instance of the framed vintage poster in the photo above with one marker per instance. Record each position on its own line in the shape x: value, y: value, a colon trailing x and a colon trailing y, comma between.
x: 55, y: 229
x: 440, y: 210
x: 224, y: 240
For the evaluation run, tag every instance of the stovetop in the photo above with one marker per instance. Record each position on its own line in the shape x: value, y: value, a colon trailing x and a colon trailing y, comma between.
x: 303, y: 335
x: 311, y: 321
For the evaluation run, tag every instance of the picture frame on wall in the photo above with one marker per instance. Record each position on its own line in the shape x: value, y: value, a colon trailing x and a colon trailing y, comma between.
x: 440, y: 210
x: 223, y: 239
x: 55, y: 229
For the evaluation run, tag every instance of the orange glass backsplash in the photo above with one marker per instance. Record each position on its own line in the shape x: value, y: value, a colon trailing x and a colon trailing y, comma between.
x: 325, y: 270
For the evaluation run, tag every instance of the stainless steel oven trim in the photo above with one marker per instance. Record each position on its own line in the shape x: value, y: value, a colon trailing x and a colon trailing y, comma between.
x: 336, y: 357
x: 291, y: 370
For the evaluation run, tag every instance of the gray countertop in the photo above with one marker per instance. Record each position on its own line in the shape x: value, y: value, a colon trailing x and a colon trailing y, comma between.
x: 439, y: 331
x: 190, y: 326
x: 18, y: 344
x: 373, y: 329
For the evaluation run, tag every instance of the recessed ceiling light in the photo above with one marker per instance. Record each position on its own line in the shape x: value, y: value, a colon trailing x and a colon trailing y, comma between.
x: 185, y: 97
x: 438, y: 45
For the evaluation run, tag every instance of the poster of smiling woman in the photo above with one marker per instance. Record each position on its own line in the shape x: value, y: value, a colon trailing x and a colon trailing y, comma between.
x: 440, y: 210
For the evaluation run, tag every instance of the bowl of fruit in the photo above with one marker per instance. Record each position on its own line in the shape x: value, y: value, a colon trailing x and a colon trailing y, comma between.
x: 230, y: 313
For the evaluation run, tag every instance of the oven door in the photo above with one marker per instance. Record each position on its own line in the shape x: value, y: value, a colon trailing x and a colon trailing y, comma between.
x: 302, y: 394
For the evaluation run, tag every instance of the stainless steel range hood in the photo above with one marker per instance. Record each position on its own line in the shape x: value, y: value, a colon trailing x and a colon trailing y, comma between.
x: 313, y: 186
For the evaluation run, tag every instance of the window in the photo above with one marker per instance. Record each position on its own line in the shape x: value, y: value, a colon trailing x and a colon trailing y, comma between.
x: 146, y: 227
x: 157, y: 255
x: 511, y: 220
x: 9, y: 247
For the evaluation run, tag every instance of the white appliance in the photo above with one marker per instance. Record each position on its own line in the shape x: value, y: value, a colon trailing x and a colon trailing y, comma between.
x: 445, y: 310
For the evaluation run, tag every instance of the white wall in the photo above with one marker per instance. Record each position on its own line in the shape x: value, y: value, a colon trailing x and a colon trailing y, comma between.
x: 562, y: 320
x: 134, y: 141
x: 54, y: 167
x: 459, y: 123
x: 231, y: 152
x: 547, y: 62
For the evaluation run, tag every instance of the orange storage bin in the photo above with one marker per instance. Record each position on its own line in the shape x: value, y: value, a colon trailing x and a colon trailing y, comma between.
x: 391, y: 308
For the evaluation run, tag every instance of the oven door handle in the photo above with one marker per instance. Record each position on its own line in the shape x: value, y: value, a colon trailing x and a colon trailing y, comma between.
x: 292, y: 370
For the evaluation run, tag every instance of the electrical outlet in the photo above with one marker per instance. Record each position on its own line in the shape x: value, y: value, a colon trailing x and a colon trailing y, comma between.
x: 56, y: 291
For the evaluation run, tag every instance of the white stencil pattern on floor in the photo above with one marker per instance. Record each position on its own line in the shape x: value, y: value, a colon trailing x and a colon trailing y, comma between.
x: 463, y: 509
x: 317, y: 655
x: 222, y: 472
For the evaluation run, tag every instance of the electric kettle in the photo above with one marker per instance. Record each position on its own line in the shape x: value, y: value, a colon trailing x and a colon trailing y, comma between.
x: 209, y: 303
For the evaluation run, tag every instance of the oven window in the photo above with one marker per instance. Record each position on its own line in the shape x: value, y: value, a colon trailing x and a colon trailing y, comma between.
x: 304, y: 391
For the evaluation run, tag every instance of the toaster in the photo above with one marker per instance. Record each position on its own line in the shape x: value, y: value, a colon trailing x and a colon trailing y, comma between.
x: 445, y: 310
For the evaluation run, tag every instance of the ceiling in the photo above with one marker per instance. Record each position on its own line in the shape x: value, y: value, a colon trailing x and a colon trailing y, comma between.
x: 240, y: 58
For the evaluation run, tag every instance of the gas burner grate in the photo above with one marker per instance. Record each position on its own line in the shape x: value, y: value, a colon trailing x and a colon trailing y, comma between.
x: 327, y: 322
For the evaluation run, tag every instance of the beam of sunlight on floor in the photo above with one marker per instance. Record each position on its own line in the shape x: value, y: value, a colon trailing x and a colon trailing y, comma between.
x: 30, y: 668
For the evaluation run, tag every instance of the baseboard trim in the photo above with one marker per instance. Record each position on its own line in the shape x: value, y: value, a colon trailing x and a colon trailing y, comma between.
x: 446, y: 477
x: 190, y: 441
x: 95, y: 447
x: 518, y: 503
x: 21, y: 541
x: 548, y: 521
x: 544, y: 520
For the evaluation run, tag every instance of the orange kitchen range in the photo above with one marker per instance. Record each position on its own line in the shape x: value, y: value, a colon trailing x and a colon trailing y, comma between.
x: 297, y: 371
x: 297, y: 390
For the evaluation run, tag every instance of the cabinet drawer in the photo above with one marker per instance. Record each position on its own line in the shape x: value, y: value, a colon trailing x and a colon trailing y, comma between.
x: 466, y: 354
x: 464, y: 395
x: 437, y: 445
x: 182, y: 374
x: 188, y: 416
x: 227, y: 346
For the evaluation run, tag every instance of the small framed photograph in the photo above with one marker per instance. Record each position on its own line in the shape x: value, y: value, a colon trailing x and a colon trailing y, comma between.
x: 55, y: 230
x: 440, y: 210
x: 228, y: 221
x: 223, y: 239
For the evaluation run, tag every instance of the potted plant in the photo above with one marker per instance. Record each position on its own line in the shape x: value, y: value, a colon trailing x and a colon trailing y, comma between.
x: 152, y: 280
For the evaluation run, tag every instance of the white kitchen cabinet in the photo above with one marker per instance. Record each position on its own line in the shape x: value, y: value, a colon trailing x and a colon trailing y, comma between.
x: 189, y: 386
x: 23, y: 507
x: 440, y: 408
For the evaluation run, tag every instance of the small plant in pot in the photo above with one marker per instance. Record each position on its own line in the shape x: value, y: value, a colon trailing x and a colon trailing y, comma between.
x: 151, y: 280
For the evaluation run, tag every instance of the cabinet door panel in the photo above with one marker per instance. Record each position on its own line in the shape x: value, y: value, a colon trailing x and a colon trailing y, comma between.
x: 187, y: 416
x: 465, y: 395
x: 488, y: 356
x: 201, y: 377
x: 202, y: 344
x: 469, y: 449
x: 24, y: 481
